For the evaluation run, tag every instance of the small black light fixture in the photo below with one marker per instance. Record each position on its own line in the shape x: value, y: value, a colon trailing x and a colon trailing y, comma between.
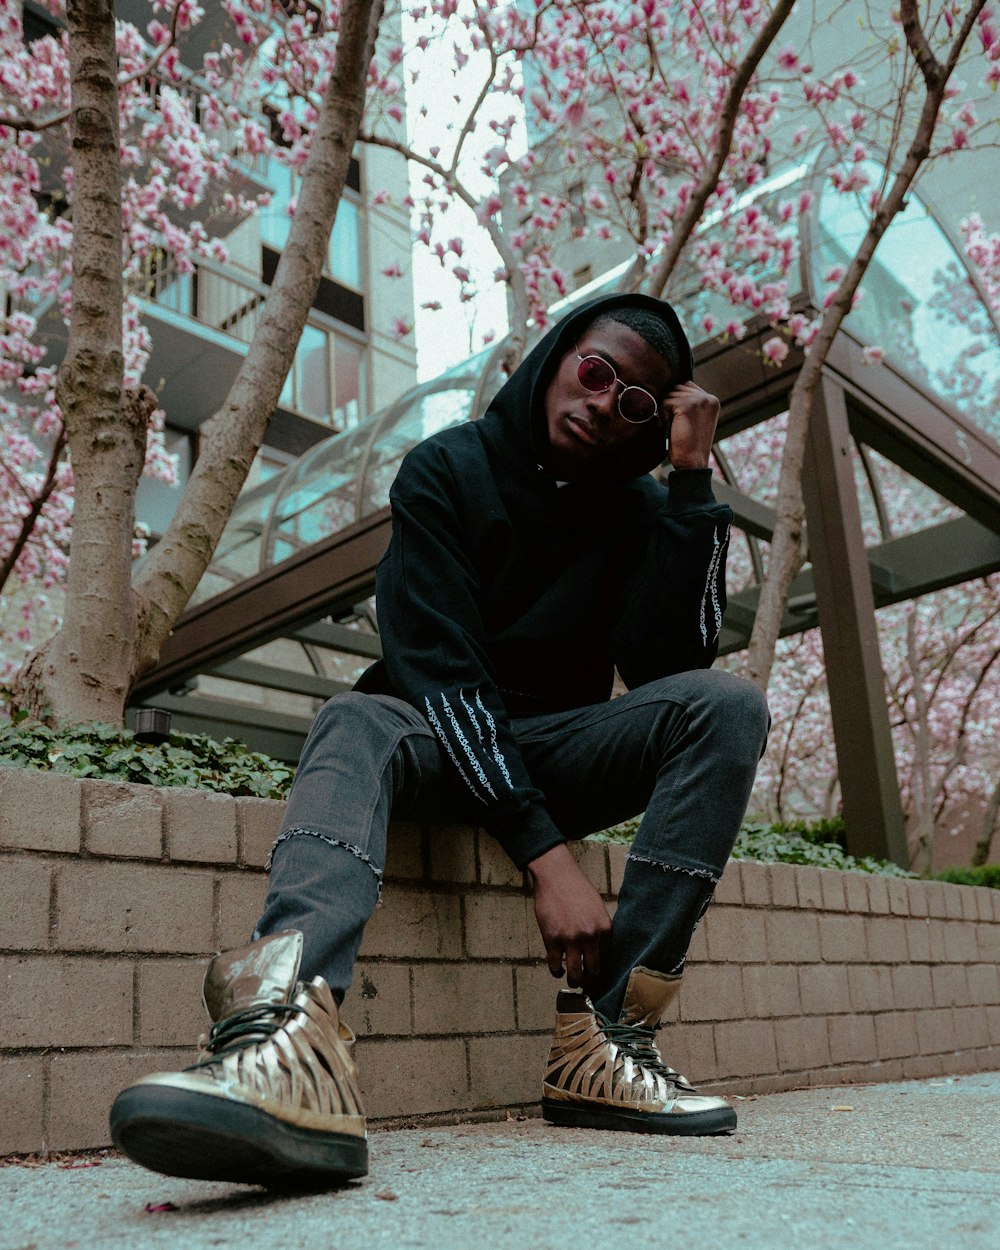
x: 152, y: 725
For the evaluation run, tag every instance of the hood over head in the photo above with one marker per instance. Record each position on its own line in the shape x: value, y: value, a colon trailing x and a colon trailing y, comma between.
x: 519, y: 405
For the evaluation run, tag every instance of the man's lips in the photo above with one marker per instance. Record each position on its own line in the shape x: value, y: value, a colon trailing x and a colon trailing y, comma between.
x: 583, y: 430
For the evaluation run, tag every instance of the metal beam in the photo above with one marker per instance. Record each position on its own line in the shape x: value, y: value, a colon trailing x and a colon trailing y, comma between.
x: 271, y: 677
x: 275, y: 733
x: 333, y: 636
x: 869, y: 786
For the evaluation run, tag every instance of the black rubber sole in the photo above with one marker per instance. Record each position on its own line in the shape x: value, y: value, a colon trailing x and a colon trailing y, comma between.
x: 183, y: 1133
x: 698, y: 1124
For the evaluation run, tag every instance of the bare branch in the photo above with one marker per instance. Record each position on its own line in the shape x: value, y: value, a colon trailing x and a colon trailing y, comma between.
x: 30, y: 518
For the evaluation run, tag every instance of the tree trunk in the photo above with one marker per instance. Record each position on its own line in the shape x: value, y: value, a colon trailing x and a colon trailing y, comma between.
x: 787, y: 552
x: 112, y: 631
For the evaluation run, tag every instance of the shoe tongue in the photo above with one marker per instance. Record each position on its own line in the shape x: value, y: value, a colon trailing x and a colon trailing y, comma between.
x: 253, y: 976
x: 647, y: 997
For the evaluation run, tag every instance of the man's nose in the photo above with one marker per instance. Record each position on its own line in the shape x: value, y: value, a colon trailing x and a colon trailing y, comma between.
x: 604, y: 403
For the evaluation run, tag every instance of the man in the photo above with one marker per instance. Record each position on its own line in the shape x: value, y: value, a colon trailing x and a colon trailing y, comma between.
x: 532, y: 555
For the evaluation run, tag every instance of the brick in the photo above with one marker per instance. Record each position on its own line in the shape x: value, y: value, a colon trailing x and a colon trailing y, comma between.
x: 258, y: 823
x: 21, y: 1126
x: 730, y: 887
x: 411, y: 1077
x: 495, y: 865
x: 463, y: 998
x: 24, y: 903
x: 842, y: 939
x: 535, y: 988
x: 592, y: 857
x: 984, y: 901
x: 912, y: 987
x: 856, y: 892
x: 241, y: 901
x: 122, y: 820
x: 507, y: 1071
x: 896, y: 1035
x: 51, y: 1001
x: 984, y: 984
x: 736, y: 934
x: 988, y: 941
x: 960, y: 943
x: 971, y: 1029
x: 378, y: 1001
x: 802, y: 1044
x: 134, y: 907
x: 200, y: 827
x: 712, y: 992
x: 698, y: 949
x: 899, y: 896
x: 993, y: 1024
x: 784, y: 890
x: 918, y: 939
x: 878, y: 894
x: 810, y: 890
x: 755, y: 883
x: 792, y: 937
x: 452, y: 853
x: 953, y: 901
x: 996, y: 905
x: 39, y: 811
x: 771, y: 990
x: 917, y: 893
x: 935, y: 1031
x: 935, y: 940
x: 917, y: 1067
x: 746, y: 1048
x: 170, y: 1009
x: 416, y: 924
x: 617, y: 857
x: 870, y: 988
x: 690, y: 1050
x: 852, y: 1039
x: 824, y: 989
x: 970, y: 904
x: 951, y: 989
x: 887, y: 940
x: 83, y: 1087
x: 936, y: 900
x: 831, y: 884
x: 404, y: 854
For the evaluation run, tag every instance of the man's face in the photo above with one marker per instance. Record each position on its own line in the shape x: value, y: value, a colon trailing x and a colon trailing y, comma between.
x: 584, y: 425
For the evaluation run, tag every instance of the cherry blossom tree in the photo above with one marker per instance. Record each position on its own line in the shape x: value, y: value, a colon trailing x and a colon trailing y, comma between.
x: 95, y: 82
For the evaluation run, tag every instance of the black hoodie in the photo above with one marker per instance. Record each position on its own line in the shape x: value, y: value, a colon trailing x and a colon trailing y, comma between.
x: 504, y: 594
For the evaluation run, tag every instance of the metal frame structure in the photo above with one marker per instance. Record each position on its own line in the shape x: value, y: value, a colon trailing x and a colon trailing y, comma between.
x: 309, y: 597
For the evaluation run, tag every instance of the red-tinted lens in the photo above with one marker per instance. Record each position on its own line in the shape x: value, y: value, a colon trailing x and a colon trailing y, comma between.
x: 635, y: 404
x: 595, y: 374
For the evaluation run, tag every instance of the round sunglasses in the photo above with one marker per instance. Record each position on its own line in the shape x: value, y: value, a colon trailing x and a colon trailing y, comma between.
x: 634, y: 404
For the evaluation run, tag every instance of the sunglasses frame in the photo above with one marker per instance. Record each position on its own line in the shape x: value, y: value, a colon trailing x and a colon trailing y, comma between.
x: 601, y: 390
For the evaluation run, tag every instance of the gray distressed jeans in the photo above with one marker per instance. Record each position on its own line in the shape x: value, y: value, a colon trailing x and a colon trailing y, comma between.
x: 683, y: 750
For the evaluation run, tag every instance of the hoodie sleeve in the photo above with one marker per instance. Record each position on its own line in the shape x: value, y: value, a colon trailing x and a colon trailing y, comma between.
x: 674, y: 599
x: 435, y: 654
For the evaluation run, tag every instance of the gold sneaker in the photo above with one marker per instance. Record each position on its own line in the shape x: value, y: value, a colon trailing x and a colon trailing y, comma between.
x: 273, y: 1100
x: 610, y: 1075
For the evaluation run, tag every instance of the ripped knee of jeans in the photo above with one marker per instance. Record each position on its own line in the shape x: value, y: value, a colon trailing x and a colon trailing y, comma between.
x: 354, y: 850
x: 705, y: 873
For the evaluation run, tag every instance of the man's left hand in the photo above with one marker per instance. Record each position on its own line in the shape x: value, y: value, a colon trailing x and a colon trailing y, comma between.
x: 695, y: 415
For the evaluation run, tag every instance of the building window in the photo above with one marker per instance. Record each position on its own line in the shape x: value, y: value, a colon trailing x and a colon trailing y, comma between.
x: 343, y: 259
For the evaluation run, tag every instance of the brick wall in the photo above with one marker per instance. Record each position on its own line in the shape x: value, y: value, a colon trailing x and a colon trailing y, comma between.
x: 113, y: 897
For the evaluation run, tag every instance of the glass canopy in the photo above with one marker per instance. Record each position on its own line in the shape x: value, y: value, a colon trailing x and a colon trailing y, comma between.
x: 919, y: 305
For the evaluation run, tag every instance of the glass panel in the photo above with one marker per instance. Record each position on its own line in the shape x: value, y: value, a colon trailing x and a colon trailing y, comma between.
x: 275, y: 222
x: 910, y: 504
x: 312, y: 374
x: 318, y: 494
x: 345, y: 244
x: 754, y: 457
x: 919, y: 304
x: 347, y: 383
x: 424, y: 417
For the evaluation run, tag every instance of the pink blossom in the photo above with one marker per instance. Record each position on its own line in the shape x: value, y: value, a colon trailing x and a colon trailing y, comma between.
x: 872, y: 355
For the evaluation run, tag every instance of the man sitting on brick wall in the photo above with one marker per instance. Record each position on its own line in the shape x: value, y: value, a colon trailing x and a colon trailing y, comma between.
x: 531, y: 556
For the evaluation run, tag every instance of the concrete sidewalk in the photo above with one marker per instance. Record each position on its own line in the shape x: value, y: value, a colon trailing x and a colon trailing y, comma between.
x: 914, y: 1165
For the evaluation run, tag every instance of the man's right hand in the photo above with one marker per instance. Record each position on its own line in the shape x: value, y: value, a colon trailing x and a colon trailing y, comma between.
x: 572, y: 917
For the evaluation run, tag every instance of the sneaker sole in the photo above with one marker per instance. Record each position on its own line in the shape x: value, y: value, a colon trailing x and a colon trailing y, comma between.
x: 696, y: 1124
x: 182, y: 1133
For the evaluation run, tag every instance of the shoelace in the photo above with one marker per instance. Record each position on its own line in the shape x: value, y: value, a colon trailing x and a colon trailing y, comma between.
x: 638, y: 1043
x: 253, y: 1024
